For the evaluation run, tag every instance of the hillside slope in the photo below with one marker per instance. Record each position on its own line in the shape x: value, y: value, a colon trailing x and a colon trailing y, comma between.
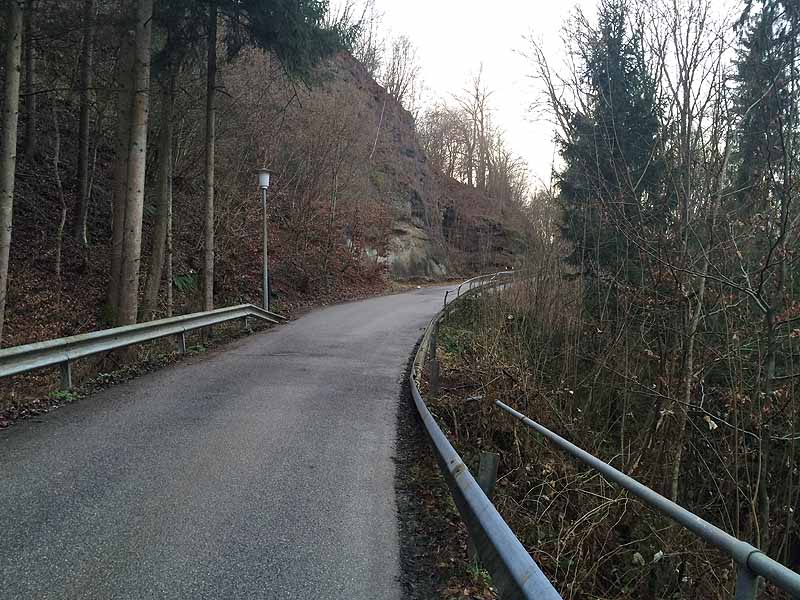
x: 354, y: 200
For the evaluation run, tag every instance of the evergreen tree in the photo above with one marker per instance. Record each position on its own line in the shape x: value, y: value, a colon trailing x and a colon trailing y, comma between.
x: 611, y: 181
x: 765, y: 212
x: 764, y: 103
x: 295, y: 30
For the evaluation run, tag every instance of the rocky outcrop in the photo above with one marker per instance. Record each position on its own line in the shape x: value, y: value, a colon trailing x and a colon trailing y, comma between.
x: 400, y: 175
x: 422, y: 242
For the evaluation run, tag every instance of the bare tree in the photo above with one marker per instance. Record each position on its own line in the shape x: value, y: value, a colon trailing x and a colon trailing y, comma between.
x: 440, y: 132
x: 474, y: 102
x: 124, y: 86
x: 687, y: 52
x: 368, y: 45
x: 402, y: 71
x: 8, y: 142
x: 164, y: 215
x: 62, y: 219
x: 30, y: 80
x: 133, y: 111
x: 211, y: 123
x: 86, y: 78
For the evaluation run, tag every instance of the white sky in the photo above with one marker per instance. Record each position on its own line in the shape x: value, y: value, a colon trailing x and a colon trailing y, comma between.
x: 453, y: 38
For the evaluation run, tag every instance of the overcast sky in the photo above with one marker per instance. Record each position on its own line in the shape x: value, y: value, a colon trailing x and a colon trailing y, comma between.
x: 454, y: 37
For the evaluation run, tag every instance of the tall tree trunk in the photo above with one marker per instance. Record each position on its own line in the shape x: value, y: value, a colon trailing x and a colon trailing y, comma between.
x: 150, y: 300
x: 30, y: 82
x: 682, y: 412
x: 86, y: 77
x: 211, y: 116
x: 693, y: 322
x: 168, y: 260
x: 764, y: 449
x: 120, y: 187
x: 8, y: 142
x: 777, y: 303
x: 482, y: 145
x: 791, y: 153
x: 137, y: 162
x: 57, y: 174
x: 470, y: 159
x: 98, y: 127
x: 168, y: 275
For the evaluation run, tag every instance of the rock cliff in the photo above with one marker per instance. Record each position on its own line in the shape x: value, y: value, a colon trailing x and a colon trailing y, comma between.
x: 439, y: 226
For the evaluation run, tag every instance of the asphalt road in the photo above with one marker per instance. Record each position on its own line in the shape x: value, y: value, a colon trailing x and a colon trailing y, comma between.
x: 264, y: 470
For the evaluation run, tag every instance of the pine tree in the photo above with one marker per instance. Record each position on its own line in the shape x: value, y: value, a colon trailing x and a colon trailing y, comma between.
x: 766, y: 207
x: 763, y: 103
x: 612, y: 175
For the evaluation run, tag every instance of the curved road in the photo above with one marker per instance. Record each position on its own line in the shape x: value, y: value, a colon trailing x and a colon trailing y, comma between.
x: 260, y: 471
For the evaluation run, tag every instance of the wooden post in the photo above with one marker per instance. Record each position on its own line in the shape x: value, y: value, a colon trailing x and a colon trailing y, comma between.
x: 66, y: 375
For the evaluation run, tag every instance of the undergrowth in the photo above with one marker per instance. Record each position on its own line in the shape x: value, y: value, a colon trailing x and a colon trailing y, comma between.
x: 590, y: 537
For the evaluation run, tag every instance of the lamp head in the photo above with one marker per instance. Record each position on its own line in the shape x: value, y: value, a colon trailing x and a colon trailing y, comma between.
x: 263, y: 178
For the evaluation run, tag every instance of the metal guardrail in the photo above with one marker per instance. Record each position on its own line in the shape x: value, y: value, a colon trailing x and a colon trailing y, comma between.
x: 498, y: 547
x: 61, y: 352
x: 751, y: 561
x: 478, y: 281
x: 514, y: 573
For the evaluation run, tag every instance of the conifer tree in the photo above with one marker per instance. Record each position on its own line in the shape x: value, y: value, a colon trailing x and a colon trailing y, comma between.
x: 611, y: 179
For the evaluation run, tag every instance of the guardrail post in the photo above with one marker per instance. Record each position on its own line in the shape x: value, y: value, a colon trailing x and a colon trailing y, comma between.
x: 434, y: 361
x: 66, y: 375
x: 746, y: 583
x: 445, y: 297
x: 246, y: 323
x: 487, y: 472
x: 487, y: 478
x: 182, y: 342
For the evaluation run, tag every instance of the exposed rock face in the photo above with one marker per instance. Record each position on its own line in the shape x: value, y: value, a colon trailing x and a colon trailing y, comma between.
x: 401, y: 176
x: 422, y: 243
x: 412, y: 254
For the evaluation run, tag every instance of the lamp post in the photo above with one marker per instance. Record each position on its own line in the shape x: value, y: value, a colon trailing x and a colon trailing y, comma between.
x: 263, y: 184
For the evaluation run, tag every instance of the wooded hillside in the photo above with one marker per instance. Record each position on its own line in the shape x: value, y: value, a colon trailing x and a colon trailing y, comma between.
x: 132, y: 182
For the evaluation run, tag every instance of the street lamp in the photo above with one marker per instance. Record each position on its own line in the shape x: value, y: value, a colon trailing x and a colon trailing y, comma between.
x: 263, y: 184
